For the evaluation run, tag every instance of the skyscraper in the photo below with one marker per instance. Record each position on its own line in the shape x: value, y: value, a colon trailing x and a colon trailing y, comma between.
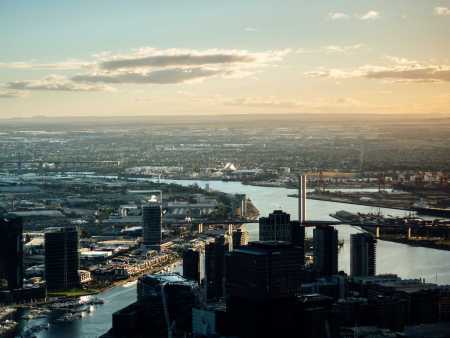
x: 163, y: 308
x: 276, y: 227
x: 326, y: 250
x: 298, y: 239
x: 240, y: 237
x: 193, y: 265
x: 263, y: 270
x: 62, y: 258
x: 362, y: 255
x: 215, y: 266
x: 152, y: 219
x: 262, y: 281
x: 11, y: 253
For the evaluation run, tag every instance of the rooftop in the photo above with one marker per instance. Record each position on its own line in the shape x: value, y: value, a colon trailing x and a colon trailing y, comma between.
x: 166, y: 278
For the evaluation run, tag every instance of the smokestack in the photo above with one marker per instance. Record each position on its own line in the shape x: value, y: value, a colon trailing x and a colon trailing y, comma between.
x: 302, y: 198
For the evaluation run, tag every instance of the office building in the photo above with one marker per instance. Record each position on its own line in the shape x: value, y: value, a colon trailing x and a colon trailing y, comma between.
x: 262, y: 281
x: 362, y: 255
x: 11, y: 253
x: 298, y: 239
x: 279, y: 227
x: 163, y: 308
x: 193, y: 265
x: 210, y: 320
x: 215, y: 266
x: 62, y: 258
x: 325, y: 250
x: 241, y: 209
x: 275, y: 227
x: 263, y: 270
x: 152, y: 219
x: 240, y: 237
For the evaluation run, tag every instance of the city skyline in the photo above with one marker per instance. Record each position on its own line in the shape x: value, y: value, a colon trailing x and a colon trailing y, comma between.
x: 166, y: 58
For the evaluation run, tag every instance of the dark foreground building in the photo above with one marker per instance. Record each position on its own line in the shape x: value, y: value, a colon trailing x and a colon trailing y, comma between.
x: 62, y: 258
x: 298, y: 239
x: 275, y: 227
x: 193, y: 265
x: 262, y: 282
x: 362, y: 255
x: 325, y: 251
x: 279, y: 227
x: 11, y: 253
x: 215, y: 266
x: 163, y: 309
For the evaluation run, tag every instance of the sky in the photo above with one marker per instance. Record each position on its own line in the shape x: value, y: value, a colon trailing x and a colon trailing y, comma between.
x: 128, y: 58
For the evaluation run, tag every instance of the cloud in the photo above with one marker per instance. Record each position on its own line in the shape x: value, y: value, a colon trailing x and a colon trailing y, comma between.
x: 152, y: 57
x: 171, y: 66
x: 342, y: 49
x: 333, y: 73
x: 64, y: 65
x: 370, y: 15
x: 163, y: 76
x: 149, y: 66
x: 331, y: 49
x: 400, y: 70
x: 9, y: 94
x: 338, y: 16
x: 175, y: 60
x: 419, y: 74
x: 442, y: 11
x: 54, y: 83
x: 250, y: 29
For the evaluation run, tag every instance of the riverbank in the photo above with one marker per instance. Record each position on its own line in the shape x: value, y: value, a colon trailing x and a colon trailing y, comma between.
x: 433, y: 243
x: 294, y: 185
x: 367, y: 204
x: 149, y: 271
x: 365, y: 199
x: 74, y: 293
x: 268, y: 184
x: 154, y: 269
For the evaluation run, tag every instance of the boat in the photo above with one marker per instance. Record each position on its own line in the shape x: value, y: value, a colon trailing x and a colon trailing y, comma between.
x: 423, y: 208
x: 69, y: 317
x: 34, y: 329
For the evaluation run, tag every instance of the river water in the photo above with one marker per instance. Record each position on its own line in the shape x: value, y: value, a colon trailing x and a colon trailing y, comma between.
x: 406, y: 261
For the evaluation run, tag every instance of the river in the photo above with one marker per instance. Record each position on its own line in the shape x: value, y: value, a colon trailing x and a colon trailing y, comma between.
x: 406, y: 261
